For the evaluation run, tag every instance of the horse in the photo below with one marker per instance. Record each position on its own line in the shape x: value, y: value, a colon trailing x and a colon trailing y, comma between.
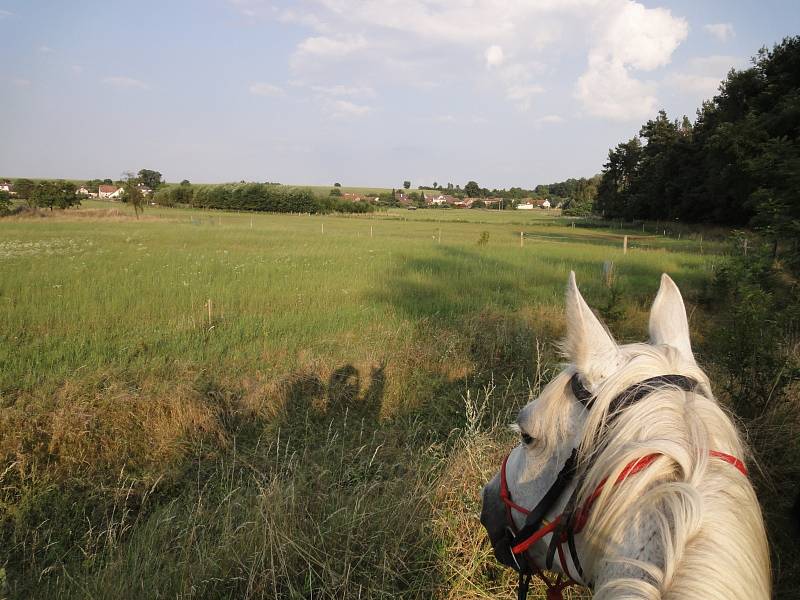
x: 628, y: 477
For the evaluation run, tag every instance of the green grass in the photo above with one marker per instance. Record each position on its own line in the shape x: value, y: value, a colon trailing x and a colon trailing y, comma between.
x: 304, y: 434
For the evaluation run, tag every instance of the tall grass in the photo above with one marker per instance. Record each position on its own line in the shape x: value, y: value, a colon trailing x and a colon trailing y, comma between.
x: 319, y: 429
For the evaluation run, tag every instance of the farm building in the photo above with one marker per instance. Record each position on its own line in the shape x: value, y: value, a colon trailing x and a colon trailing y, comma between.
x: 110, y: 191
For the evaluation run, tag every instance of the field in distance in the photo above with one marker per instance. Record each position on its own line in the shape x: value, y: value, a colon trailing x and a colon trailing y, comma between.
x: 250, y: 405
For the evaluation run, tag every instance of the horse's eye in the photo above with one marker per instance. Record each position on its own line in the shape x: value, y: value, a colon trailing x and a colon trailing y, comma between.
x: 526, y: 439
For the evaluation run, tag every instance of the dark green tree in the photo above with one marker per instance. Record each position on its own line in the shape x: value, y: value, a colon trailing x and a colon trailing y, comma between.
x: 151, y: 179
x: 54, y: 194
x: 5, y: 202
x: 24, y: 188
x: 472, y: 189
x: 406, y: 184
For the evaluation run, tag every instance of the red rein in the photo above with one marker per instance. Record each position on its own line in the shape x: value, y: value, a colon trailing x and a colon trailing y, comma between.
x: 632, y: 468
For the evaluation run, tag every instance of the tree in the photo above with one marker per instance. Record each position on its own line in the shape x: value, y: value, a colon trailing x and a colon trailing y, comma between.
x: 185, y: 182
x: 5, y: 202
x: 151, y: 179
x: 132, y: 194
x: 435, y: 185
x: 24, y: 188
x: 472, y: 189
x: 407, y: 184
x: 337, y: 184
x: 336, y: 191
x: 54, y: 194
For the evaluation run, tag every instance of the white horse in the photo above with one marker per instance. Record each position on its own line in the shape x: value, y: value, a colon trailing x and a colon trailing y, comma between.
x: 655, y: 502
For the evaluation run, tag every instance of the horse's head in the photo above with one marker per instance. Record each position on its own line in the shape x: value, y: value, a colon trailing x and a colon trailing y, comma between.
x: 558, y: 424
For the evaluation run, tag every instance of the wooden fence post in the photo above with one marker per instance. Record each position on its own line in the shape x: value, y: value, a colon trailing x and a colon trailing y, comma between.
x: 521, y: 239
x: 625, y: 245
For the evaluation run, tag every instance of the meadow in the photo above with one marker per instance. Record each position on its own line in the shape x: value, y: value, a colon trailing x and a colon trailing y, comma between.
x: 219, y: 405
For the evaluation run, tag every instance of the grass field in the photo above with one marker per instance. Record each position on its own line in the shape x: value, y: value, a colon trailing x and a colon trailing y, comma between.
x: 221, y: 405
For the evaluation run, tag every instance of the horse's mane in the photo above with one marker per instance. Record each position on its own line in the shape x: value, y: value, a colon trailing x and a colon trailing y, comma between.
x: 695, y: 517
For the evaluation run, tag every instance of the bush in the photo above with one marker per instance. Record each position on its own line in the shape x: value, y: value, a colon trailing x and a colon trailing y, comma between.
x: 253, y: 197
x: 757, y: 316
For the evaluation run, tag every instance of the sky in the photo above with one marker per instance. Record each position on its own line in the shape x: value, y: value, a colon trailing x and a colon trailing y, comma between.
x: 361, y: 92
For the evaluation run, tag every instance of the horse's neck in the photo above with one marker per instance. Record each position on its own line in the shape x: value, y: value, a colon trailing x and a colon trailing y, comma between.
x: 693, y: 532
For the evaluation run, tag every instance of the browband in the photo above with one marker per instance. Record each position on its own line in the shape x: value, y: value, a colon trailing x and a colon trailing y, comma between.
x: 632, y: 394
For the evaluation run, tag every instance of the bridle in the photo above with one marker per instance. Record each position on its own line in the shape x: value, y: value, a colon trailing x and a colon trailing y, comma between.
x: 573, y: 519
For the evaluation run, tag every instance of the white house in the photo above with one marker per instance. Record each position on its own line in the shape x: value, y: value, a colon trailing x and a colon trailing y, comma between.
x: 6, y: 186
x: 110, y: 191
x: 84, y: 191
x: 546, y: 204
x: 525, y: 206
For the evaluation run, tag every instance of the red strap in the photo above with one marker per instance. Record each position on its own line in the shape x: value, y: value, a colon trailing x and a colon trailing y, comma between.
x: 731, y: 460
x: 632, y: 468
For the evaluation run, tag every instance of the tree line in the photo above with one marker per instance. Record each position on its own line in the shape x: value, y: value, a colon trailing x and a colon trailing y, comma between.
x: 738, y: 164
x: 266, y: 197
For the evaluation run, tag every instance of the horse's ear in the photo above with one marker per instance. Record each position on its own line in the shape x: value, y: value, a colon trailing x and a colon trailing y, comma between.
x: 588, y: 345
x: 668, y: 322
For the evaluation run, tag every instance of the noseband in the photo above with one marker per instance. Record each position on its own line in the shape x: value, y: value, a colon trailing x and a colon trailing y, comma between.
x: 572, y: 521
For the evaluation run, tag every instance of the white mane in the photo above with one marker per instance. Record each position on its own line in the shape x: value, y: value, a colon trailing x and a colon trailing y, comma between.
x: 687, y: 526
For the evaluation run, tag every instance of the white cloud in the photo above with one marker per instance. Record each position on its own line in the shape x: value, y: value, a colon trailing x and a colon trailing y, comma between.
x: 429, y: 43
x: 252, y: 8
x: 5, y: 13
x: 522, y: 94
x: 494, y: 56
x: 344, y: 108
x: 722, y: 31
x: 126, y: 82
x: 701, y: 77
x: 331, y: 47
x: 265, y: 89
x: 45, y: 49
x: 607, y: 90
x: 20, y: 82
x: 633, y: 38
x: 550, y: 120
x: 344, y: 90
x: 642, y: 38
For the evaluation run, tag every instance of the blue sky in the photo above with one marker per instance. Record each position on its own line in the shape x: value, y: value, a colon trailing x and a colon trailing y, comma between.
x: 364, y: 92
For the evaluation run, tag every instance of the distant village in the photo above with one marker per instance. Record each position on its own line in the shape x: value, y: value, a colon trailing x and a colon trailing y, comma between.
x: 411, y: 200
x: 432, y: 199
x: 111, y: 192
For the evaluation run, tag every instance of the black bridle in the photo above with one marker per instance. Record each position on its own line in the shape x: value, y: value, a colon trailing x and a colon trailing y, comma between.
x: 566, y: 528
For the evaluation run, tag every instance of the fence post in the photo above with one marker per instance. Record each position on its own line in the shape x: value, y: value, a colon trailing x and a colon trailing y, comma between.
x: 745, y: 246
x: 440, y: 235
x: 370, y: 231
x: 625, y: 245
x: 521, y: 239
x: 323, y: 228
